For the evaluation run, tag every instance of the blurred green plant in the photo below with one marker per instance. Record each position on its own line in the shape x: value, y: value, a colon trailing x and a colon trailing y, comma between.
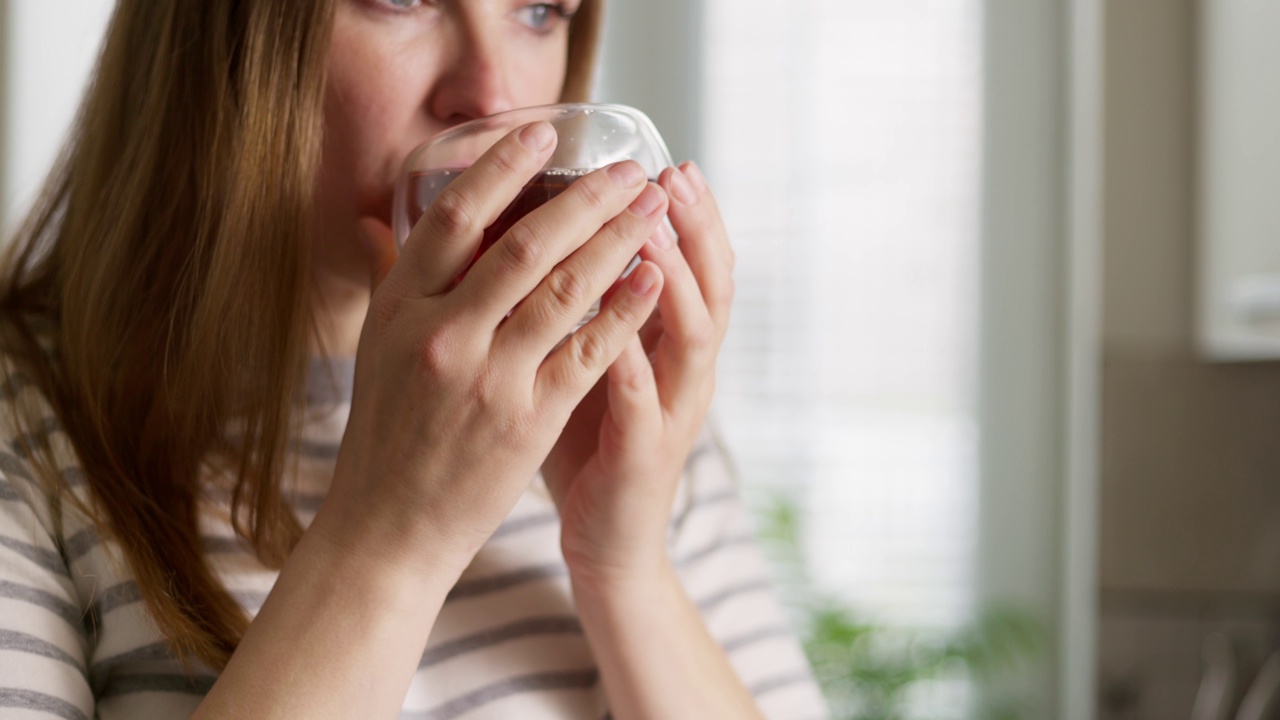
x: 870, y: 671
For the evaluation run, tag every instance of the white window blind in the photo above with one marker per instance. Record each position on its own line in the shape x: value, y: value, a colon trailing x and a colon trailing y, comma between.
x: 843, y: 140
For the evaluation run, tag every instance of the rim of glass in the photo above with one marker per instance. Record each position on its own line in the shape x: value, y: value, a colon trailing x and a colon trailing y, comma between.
x: 518, y: 116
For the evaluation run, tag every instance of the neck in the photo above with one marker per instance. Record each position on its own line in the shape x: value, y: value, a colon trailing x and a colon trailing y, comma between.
x: 340, y: 271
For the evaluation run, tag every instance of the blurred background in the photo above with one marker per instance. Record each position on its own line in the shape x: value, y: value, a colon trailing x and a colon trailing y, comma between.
x: 1002, y: 384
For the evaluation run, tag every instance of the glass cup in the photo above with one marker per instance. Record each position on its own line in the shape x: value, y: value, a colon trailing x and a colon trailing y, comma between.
x: 591, y: 136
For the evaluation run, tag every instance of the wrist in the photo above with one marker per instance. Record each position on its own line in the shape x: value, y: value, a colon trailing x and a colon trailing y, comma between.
x: 601, y: 553
x: 596, y: 584
x: 410, y: 553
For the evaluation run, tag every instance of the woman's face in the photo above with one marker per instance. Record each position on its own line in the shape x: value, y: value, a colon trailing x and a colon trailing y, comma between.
x: 403, y: 70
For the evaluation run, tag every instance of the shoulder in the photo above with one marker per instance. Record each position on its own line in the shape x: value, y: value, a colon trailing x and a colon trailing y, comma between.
x: 29, y: 475
x: 42, y: 610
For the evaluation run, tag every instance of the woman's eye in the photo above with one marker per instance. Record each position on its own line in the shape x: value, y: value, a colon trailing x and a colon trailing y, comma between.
x: 542, y: 16
x: 402, y: 4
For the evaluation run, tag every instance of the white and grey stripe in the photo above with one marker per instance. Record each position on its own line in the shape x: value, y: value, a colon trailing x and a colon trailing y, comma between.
x: 23, y: 699
x: 42, y: 599
x: 48, y: 559
x: 558, y: 680
x: 554, y: 625
x: 21, y: 642
x: 507, y: 643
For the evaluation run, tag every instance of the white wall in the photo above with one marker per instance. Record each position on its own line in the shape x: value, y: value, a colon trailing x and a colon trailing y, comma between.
x: 1039, y: 344
x: 650, y: 60
x: 1239, y: 162
x: 49, y: 50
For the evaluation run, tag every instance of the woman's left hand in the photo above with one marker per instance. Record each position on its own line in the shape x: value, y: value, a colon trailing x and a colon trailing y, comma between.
x: 613, y: 473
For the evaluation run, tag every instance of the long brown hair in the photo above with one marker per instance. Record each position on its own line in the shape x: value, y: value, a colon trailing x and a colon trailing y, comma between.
x: 159, y: 292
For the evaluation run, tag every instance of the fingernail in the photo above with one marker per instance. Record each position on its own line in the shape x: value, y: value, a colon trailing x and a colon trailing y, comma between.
x: 643, y: 280
x: 648, y: 203
x: 694, y: 174
x: 627, y: 173
x: 538, y: 136
x: 682, y: 190
x: 662, y: 238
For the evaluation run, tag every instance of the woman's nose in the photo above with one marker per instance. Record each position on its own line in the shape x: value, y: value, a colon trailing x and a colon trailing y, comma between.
x: 475, y: 83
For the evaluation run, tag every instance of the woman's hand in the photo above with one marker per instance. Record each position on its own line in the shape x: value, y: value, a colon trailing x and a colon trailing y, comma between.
x: 614, y: 471
x: 460, y: 390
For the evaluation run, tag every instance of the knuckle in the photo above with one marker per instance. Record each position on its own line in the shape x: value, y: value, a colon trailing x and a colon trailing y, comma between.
x: 567, y: 288
x: 589, y: 351
x: 592, y: 192
x: 486, y: 390
x: 635, y: 380
x: 722, y: 293
x: 700, y: 338
x: 521, y: 249
x: 507, y: 157
x: 630, y: 312
x: 631, y: 233
x: 452, y: 212
x: 434, y: 353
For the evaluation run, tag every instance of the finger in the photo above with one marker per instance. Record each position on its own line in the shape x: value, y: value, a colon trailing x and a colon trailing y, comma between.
x: 652, y: 328
x: 536, y: 243
x: 651, y: 332
x: 569, y: 372
x: 560, y: 301
x: 690, y: 336
x: 703, y: 239
x: 446, y: 238
x: 380, y: 243
x: 571, y: 454
x: 633, y: 399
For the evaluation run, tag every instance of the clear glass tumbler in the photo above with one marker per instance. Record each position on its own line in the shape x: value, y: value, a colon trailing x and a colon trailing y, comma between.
x: 591, y: 136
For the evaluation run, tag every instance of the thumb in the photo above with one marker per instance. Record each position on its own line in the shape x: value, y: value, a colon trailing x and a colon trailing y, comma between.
x: 380, y: 243
x: 635, y: 410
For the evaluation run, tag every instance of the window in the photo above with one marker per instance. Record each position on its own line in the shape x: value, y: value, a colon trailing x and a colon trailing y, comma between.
x: 843, y: 139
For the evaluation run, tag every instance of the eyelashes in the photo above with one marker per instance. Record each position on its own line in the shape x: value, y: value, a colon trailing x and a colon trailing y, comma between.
x: 543, y: 17
x: 540, y: 17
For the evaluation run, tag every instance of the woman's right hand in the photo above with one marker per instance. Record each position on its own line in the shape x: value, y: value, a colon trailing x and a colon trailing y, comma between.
x: 460, y: 390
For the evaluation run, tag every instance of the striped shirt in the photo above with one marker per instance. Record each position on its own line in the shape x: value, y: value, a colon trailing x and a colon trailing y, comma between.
x: 77, y: 642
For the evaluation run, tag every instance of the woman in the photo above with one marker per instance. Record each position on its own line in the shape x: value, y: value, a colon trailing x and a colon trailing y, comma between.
x: 230, y: 401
